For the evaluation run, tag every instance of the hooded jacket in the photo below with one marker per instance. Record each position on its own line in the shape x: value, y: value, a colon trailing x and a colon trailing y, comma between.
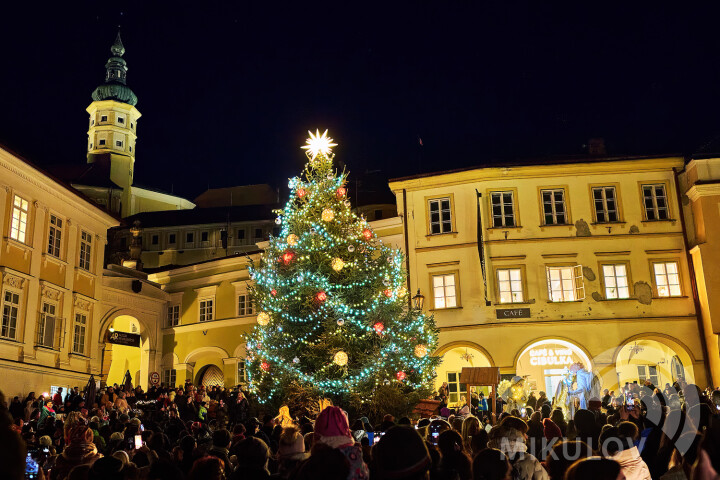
x: 633, y: 467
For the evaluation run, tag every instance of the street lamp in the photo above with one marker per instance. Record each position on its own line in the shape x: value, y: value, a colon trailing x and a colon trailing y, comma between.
x: 419, y: 300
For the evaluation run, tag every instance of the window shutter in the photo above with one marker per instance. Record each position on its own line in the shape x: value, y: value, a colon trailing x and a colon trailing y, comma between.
x: 60, y: 325
x: 549, y: 285
x: 49, y: 331
x: 579, y: 284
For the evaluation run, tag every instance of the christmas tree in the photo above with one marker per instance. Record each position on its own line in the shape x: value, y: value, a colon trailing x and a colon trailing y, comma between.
x: 334, y: 314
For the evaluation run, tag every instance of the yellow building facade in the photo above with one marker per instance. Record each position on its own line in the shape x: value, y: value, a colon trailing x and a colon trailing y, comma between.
x: 581, y: 261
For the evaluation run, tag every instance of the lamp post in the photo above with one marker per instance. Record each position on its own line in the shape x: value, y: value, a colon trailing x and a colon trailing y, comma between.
x: 418, y: 300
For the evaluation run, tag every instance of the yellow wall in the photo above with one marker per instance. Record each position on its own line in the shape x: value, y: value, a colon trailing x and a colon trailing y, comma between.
x: 124, y: 358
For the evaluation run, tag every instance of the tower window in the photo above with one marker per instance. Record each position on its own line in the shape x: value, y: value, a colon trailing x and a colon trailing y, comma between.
x: 121, y: 119
x: 91, y: 146
x: 118, y: 143
x: 131, y: 149
x: 103, y: 118
x: 101, y: 141
x: 132, y: 125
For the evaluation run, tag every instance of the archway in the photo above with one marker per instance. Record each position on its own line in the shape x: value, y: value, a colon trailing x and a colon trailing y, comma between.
x: 655, y: 359
x: 455, y: 356
x: 210, y: 375
x: 125, y: 349
x: 543, y: 363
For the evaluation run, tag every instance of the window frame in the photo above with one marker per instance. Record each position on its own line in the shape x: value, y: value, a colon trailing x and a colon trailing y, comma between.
x: 656, y: 290
x: 628, y: 276
x: 668, y: 195
x: 428, y: 225
x: 169, y: 377
x: 172, y: 241
x: 205, y: 242
x: 249, y: 308
x: 523, y: 283
x: 456, y: 274
x: 579, y: 290
x: 26, y: 233
x: 55, y: 235
x: 174, y: 310
x: 42, y: 322
x: 18, y: 313
x: 205, y: 299
x: 566, y: 205
x: 461, y: 387
x: 85, y: 257
x: 84, y: 328
x: 516, y: 213
x: 240, y: 380
x: 618, y: 202
x: 190, y: 244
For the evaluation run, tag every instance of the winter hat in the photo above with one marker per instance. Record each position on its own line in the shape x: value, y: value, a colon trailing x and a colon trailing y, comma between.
x: 135, y: 421
x: 117, y: 436
x: 515, y: 422
x: 291, y: 445
x: 401, y: 453
x: 122, y: 456
x: 332, y: 428
x: 551, y: 430
x: 45, y: 441
x: 585, y: 422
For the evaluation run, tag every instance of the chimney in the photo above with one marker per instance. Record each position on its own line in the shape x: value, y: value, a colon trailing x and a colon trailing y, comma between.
x: 596, y: 146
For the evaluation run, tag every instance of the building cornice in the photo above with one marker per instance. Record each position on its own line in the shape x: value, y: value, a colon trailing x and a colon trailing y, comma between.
x: 212, y: 324
x: 703, y: 190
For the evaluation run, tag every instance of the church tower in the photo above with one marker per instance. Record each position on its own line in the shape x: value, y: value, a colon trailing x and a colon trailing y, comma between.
x: 113, y: 123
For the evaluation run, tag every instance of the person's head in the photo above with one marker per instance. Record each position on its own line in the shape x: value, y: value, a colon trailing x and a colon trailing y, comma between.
x: 613, y: 441
x: 207, y: 468
x: 188, y: 444
x: 252, y: 452
x: 107, y: 468
x: 326, y: 463
x: 435, y: 428
x: 491, y: 464
x: 563, y: 455
x: 49, y: 404
x: 470, y: 427
x: 332, y: 422
x: 60, y: 390
x: 606, y: 392
x: 479, y: 441
x: 221, y: 438
x: 594, y: 468
x: 291, y: 445
x: 401, y: 454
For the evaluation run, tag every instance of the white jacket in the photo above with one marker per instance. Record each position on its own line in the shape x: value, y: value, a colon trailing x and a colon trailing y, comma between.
x: 633, y: 467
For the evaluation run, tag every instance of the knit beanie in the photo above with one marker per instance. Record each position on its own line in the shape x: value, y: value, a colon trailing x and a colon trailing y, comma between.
x: 291, y: 445
x: 551, y: 430
x: 332, y: 428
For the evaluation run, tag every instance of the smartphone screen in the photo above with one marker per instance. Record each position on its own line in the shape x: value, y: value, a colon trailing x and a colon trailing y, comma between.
x: 138, y: 441
x: 377, y: 437
x: 31, y: 467
x: 434, y: 437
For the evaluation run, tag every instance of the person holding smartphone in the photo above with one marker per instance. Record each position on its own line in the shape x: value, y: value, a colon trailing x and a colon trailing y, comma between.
x: 79, y: 450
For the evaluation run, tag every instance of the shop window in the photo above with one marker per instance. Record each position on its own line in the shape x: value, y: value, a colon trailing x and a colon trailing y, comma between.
x: 565, y: 284
x: 245, y: 305
x: 444, y: 291
x: 173, y: 315
x: 10, y: 314
x: 667, y: 279
x: 85, y: 250
x: 18, y: 227
x: 241, y: 374
x: 440, y: 215
x: 554, y: 208
x: 616, y: 282
x: 206, y: 309
x: 648, y: 372
x: 79, y: 331
x: 455, y: 388
x: 655, y: 202
x: 605, y: 202
x: 510, y: 287
x: 169, y: 377
x: 503, y: 209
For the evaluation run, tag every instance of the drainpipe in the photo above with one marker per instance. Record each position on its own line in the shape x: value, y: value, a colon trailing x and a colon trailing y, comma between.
x: 693, y: 281
x: 407, y: 246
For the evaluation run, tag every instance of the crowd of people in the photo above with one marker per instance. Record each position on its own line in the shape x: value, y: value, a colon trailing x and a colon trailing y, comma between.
x: 210, y: 434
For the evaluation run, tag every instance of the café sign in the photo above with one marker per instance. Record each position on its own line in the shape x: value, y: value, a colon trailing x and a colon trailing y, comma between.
x: 551, y: 356
x: 124, y: 338
x: 512, y: 313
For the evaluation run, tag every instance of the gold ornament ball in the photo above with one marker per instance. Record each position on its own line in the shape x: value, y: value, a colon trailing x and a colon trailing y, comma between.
x: 328, y: 215
x: 337, y: 264
x: 341, y: 358
x: 401, y: 291
x: 292, y: 239
x: 263, y: 318
x: 420, y: 350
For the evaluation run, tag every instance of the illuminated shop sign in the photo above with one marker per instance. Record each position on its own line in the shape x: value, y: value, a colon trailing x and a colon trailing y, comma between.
x: 551, y: 356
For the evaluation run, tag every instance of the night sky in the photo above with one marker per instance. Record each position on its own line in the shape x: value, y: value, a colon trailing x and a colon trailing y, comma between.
x: 228, y: 90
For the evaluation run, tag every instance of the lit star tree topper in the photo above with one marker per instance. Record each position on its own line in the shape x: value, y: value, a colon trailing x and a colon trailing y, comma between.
x: 333, y: 310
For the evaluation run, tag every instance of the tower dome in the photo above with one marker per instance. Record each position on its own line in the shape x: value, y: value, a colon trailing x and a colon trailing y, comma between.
x: 115, y: 87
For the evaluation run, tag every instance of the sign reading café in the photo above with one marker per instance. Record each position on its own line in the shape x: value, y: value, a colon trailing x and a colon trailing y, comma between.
x: 551, y: 356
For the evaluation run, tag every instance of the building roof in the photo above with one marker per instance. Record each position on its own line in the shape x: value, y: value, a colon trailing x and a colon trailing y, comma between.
x: 261, y: 194
x: 534, y: 161
x: 114, y: 87
x: 203, y: 216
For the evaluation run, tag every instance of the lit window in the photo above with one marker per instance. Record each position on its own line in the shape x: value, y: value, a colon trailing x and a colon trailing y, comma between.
x: 245, y: 305
x: 444, y: 291
x: 10, y: 313
x: 46, y: 326
x: 667, y: 279
x: 554, y: 211
x: 503, y: 210
x: 605, y: 202
x: 206, y: 309
x: 79, y: 333
x: 85, y: 250
x: 169, y: 377
x: 648, y: 372
x: 241, y: 376
x: 18, y: 228
x: 55, y: 236
x: 510, y: 285
x: 616, y: 281
x: 565, y: 284
x: 455, y: 388
x: 440, y: 215
x: 655, y: 202
x: 173, y: 315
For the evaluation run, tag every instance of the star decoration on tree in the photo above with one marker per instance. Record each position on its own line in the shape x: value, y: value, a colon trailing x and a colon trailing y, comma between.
x: 318, y: 144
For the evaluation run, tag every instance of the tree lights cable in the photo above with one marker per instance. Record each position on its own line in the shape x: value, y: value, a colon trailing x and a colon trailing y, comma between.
x: 331, y: 297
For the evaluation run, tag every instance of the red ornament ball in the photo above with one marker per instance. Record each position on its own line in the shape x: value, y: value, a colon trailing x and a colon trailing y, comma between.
x: 265, y: 366
x: 341, y: 192
x: 321, y: 296
x: 367, y: 234
x: 388, y: 292
x: 301, y: 192
x: 287, y: 257
x: 273, y: 292
x: 400, y: 376
x: 379, y: 327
